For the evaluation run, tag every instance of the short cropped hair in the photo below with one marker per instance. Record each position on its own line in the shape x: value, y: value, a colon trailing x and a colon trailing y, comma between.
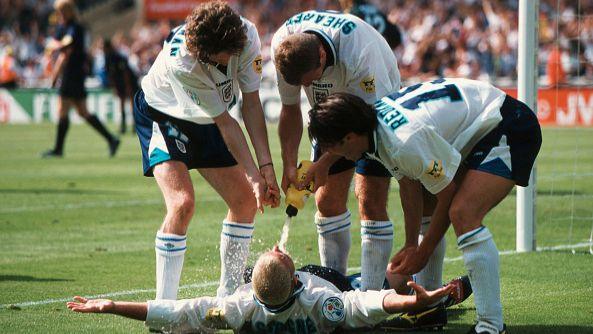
x: 272, y: 280
x: 296, y: 55
x: 214, y: 27
x: 334, y: 117
x: 67, y: 8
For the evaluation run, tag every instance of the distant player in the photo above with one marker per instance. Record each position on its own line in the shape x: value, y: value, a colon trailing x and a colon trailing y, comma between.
x: 279, y: 300
x: 465, y: 141
x: 70, y: 70
x: 373, y: 16
x: 122, y: 79
x: 327, y: 52
x: 183, y: 123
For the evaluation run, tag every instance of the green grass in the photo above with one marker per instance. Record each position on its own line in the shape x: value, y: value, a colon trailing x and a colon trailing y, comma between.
x: 85, y: 224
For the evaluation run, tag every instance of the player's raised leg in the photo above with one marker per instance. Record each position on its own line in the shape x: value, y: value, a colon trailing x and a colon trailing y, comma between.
x: 376, y: 230
x: 333, y: 221
x: 478, y: 193
x: 237, y: 229
x: 170, y: 242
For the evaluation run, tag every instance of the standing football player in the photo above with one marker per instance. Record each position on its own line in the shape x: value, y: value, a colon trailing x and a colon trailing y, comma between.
x: 465, y: 141
x: 183, y: 123
x: 327, y: 52
x: 70, y: 70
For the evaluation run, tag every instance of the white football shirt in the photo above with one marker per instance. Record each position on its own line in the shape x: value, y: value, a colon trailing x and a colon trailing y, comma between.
x: 318, y: 307
x: 425, y: 130
x: 181, y: 86
x: 363, y: 63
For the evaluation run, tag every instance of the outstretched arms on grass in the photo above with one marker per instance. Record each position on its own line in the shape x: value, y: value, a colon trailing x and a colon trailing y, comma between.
x: 395, y: 303
x: 131, y: 310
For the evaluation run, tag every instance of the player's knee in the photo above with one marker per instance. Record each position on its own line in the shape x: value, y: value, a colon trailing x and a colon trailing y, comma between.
x: 182, y: 207
x: 330, y: 208
x: 463, y: 216
x: 243, y: 207
x: 371, y: 209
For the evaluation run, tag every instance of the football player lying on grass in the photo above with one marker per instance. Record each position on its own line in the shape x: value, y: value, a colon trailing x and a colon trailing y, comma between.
x: 279, y: 299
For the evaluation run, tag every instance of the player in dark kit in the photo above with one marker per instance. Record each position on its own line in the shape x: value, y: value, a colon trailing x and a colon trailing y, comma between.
x: 71, y: 68
x: 121, y: 78
x: 373, y: 16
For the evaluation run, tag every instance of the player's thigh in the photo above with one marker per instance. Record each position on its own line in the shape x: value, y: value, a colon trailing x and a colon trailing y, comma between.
x: 477, y: 193
x: 332, y: 197
x: 175, y: 183
x: 232, y: 185
x: 372, y: 192
x: 80, y: 106
x: 64, y: 105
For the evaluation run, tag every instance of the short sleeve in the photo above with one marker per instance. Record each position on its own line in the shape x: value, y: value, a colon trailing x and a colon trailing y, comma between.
x: 194, y: 96
x: 372, y: 77
x: 250, y: 62
x: 428, y: 158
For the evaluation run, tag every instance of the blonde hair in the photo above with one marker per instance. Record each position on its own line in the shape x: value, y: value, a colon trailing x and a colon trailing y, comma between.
x: 67, y: 8
x: 272, y: 280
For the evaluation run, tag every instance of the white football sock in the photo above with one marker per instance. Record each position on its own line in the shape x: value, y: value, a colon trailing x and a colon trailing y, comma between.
x: 170, y: 251
x: 376, y: 243
x: 481, y: 261
x: 431, y: 276
x: 334, y: 241
x: 234, y: 250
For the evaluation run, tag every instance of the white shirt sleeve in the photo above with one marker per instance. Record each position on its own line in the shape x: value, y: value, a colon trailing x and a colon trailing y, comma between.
x: 195, y: 96
x: 250, y: 63
x: 371, y: 77
x: 352, y: 309
x: 205, y: 314
x: 428, y: 158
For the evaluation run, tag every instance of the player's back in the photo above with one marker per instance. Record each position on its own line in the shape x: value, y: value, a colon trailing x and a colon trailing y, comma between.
x: 461, y: 111
x: 360, y: 61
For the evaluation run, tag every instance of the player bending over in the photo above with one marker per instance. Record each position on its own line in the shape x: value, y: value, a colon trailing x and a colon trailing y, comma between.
x: 279, y: 300
x: 463, y: 140
x: 183, y: 123
x: 327, y: 52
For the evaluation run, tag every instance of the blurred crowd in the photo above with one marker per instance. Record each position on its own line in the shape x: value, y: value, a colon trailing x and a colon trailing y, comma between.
x: 457, y: 38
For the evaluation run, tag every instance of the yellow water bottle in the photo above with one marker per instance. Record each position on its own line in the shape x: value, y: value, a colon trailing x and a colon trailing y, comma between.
x: 295, y: 199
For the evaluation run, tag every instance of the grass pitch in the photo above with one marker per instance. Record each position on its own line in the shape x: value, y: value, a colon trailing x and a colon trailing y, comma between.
x: 85, y: 225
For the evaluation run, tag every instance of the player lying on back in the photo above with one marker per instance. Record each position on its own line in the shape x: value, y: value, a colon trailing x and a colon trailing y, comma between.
x: 279, y: 300
x: 465, y: 141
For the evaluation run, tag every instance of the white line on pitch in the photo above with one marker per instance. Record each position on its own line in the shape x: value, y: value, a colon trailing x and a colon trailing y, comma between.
x: 214, y: 283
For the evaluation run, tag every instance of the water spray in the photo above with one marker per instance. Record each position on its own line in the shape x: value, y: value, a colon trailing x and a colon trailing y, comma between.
x: 295, y: 200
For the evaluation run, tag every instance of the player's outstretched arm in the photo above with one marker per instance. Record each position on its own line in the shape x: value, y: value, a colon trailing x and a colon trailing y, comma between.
x: 126, y: 309
x: 394, y: 303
